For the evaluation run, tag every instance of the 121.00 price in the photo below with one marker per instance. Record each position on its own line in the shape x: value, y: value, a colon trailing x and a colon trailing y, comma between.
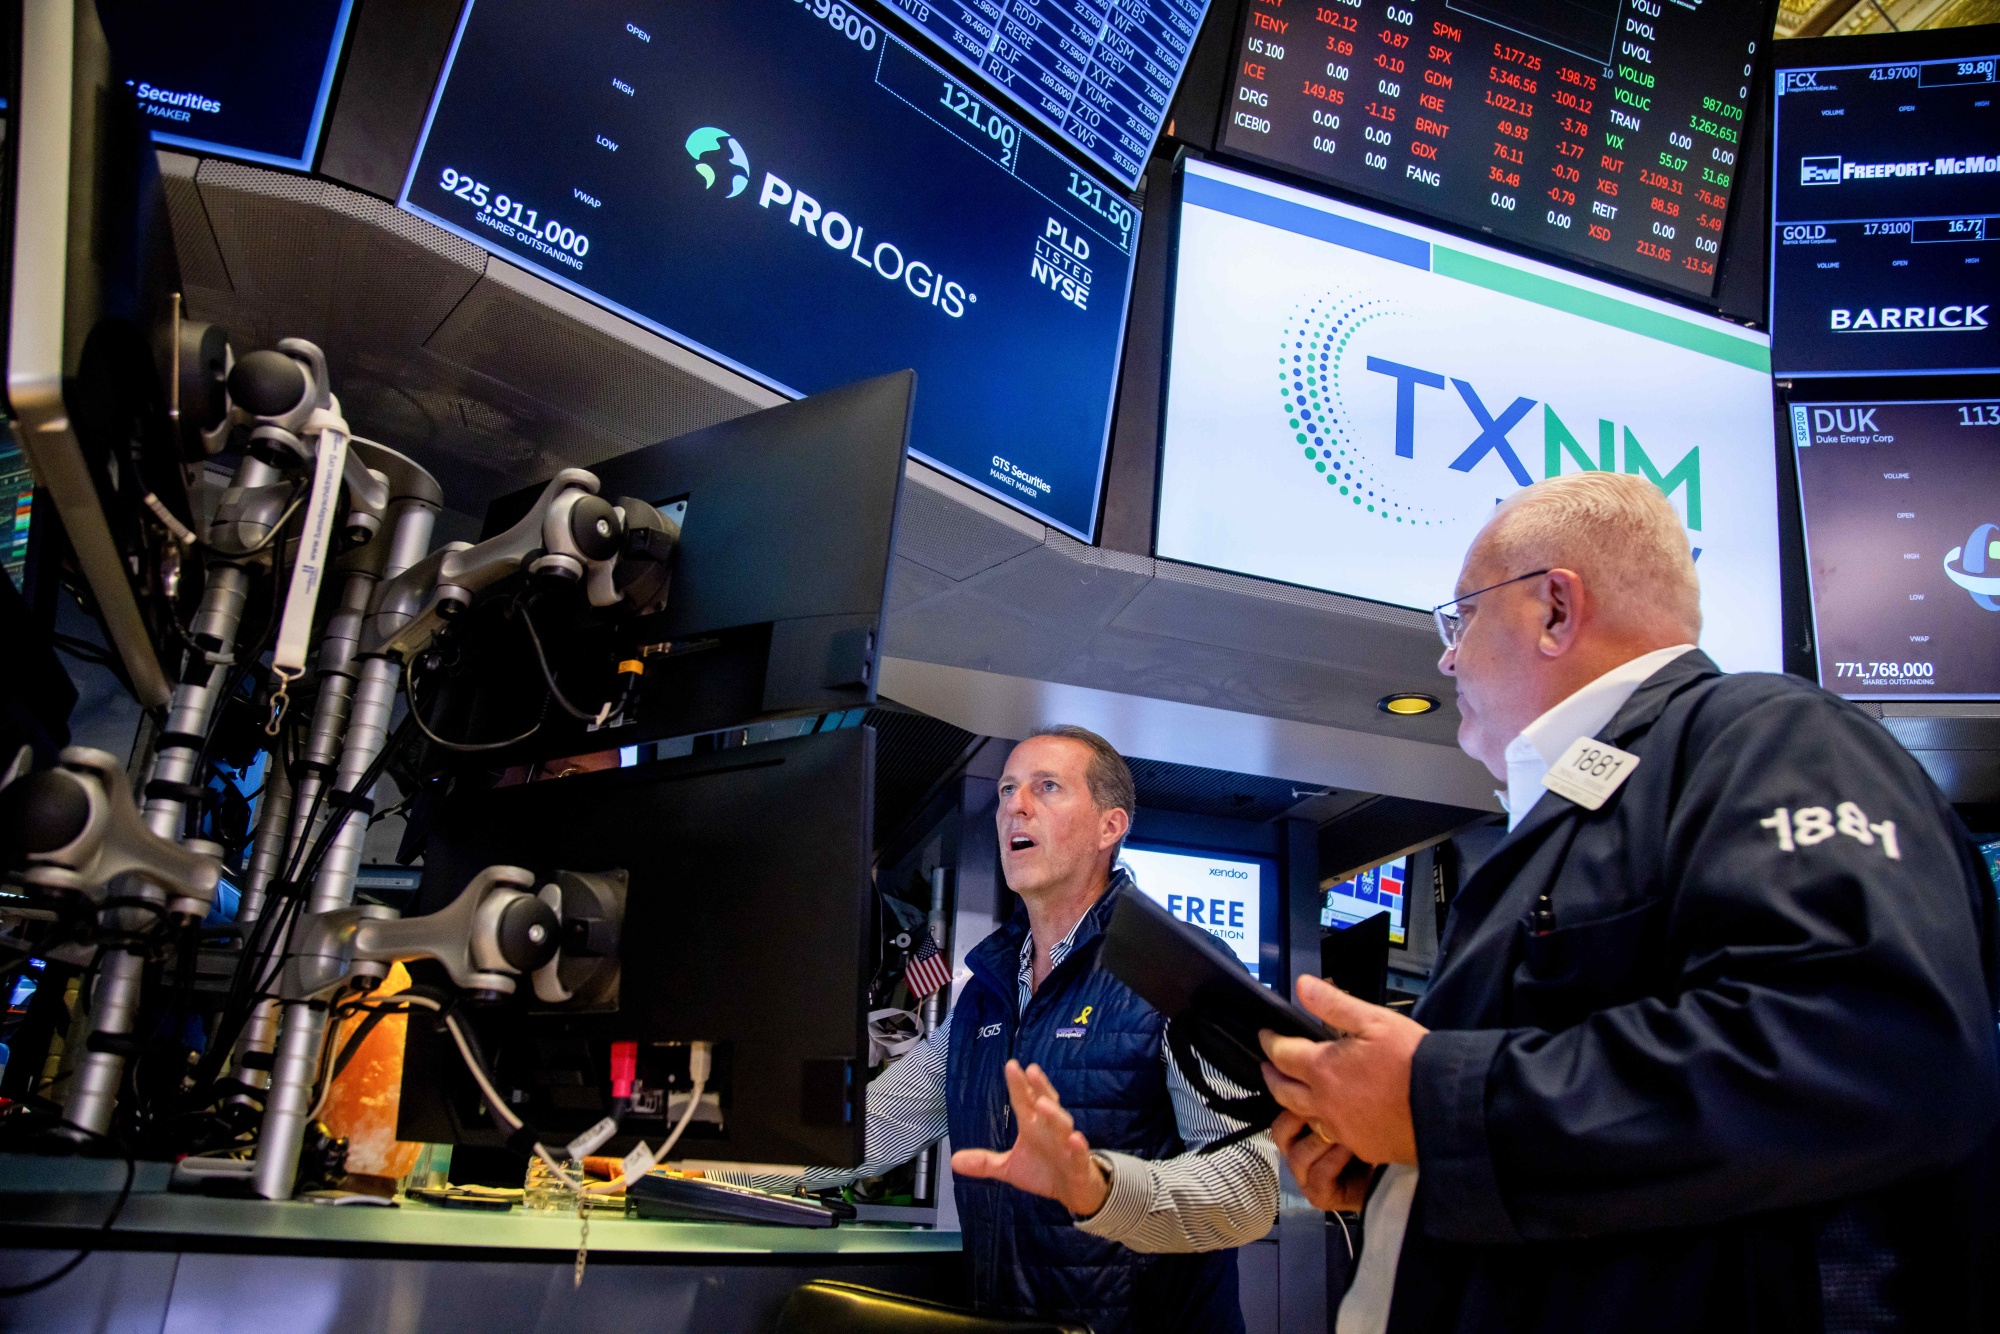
x: 1894, y: 671
x: 513, y: 212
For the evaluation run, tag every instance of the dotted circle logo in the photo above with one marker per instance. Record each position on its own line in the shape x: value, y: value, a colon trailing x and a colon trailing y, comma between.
x: 1312, y: 391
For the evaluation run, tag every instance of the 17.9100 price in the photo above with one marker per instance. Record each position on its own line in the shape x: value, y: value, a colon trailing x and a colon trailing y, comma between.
x: 515, y: 218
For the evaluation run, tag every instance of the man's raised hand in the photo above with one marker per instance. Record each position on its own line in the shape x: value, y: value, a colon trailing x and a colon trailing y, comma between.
x: 1050, y: 1156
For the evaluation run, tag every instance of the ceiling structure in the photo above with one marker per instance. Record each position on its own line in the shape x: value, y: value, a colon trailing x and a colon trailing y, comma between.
x: 1855, y: 18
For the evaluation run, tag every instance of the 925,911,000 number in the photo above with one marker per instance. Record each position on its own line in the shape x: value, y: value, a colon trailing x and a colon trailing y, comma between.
x: 517, y: 215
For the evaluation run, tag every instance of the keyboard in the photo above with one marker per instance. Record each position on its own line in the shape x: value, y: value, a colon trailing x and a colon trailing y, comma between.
x: 691, y: 1200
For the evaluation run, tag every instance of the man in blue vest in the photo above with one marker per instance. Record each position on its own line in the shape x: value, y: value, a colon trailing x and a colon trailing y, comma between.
x: 1082, y: 1192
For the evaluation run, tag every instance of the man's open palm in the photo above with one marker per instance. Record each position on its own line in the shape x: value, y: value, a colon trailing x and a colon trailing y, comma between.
x: 1050, y: 1156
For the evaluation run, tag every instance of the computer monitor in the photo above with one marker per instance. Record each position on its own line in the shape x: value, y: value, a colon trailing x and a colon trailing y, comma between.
x: 1363, y: 895
x: 1519, y: 120
x: 1897, y: 499
x: 1883, y: 173
x: 1420, y: 380
x: 746, y: 925
x: 876, y: 213
x: 237, y: 77
x: 1234, y: 896
x: 787, y: 519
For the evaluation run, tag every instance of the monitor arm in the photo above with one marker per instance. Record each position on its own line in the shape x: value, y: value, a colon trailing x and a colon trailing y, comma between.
x: 81, y: 830
x: 570, y: 533
x: 494, y: 932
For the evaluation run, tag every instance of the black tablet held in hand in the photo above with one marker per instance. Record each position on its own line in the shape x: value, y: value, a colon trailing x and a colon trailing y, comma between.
x: 1192, y: 978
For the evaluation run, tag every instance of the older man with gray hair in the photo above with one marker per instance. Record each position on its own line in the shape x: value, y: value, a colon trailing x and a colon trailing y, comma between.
x: 1711, y: 1040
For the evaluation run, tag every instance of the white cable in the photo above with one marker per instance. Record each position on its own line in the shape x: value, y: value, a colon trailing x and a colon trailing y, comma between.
x: 700, y: 1067
x: 694, y: 1103
x: 499, y: 1108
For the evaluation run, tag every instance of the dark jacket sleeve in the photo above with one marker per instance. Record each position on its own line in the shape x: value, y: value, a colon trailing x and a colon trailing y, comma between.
x: 1825, y: 1026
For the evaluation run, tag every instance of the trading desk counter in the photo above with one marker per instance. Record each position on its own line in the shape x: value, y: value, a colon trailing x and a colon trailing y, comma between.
x: 184, y: 1263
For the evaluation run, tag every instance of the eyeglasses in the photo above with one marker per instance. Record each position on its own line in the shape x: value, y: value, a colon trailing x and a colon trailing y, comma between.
x: 1451, y: 624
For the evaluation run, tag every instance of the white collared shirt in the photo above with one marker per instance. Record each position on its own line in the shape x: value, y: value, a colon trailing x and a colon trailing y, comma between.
x: 1585, y: 713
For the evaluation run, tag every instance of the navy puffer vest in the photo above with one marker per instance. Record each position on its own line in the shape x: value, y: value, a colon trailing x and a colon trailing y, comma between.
x: 1100, y: 1045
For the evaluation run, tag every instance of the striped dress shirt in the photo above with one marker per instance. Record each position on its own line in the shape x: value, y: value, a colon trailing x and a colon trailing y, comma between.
x: 1191, y: 1202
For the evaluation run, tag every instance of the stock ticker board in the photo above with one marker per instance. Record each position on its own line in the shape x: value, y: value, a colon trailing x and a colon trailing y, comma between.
x: 1604, y: 131
x: 1098, y: 74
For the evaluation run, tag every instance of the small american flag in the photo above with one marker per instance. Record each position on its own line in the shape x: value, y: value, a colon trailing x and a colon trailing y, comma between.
x: 926, y: 969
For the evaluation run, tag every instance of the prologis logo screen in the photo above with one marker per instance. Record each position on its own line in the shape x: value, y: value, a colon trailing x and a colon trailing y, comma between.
x: 839, y: 232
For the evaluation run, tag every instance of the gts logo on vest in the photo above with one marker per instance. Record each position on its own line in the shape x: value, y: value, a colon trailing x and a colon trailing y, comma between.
x: 989, y: 1031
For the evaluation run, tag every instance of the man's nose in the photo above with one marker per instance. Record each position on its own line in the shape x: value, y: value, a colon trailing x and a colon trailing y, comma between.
x: 1448, y: 663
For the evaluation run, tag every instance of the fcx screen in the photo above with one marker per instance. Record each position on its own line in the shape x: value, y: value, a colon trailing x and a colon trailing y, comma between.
x: 1098, y: 74
x: 879, y: 215
x: 1886, y: 218
x: 1605, y: 131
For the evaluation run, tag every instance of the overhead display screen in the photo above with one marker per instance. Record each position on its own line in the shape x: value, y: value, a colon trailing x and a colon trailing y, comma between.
x: 1885, y: 256
x: 1349, y: 395
x: 1228, y: 895
x: 1605, y: 131
x: 878, y: 215
x: 1902, y: 521
x: 1098, y: 74
x: 242, y: 79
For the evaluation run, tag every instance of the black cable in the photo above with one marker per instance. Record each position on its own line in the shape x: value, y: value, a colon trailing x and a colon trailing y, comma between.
x: 282, y: 909
x: 82, y: 649
x: 555, y: 691
x: 233, y: 682
x: 464, y: 747
x: 69, y: 1266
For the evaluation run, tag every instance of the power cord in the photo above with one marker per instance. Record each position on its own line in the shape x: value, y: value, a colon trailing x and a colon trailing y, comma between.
x: 69, y: 1266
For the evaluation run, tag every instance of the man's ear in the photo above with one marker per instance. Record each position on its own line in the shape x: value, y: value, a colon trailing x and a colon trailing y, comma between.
x: 1563, y: 616
x: 1117, y: 822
